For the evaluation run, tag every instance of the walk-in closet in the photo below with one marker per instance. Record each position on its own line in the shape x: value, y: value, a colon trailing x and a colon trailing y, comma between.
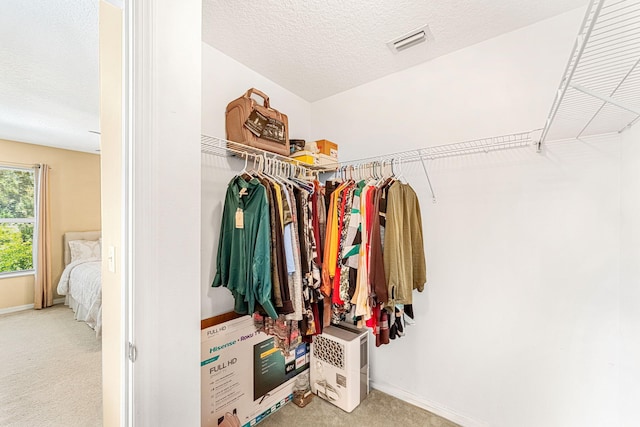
x: 507, y: 133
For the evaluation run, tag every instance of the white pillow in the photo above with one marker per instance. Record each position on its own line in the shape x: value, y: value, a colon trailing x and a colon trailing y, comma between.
x: 83, y: 249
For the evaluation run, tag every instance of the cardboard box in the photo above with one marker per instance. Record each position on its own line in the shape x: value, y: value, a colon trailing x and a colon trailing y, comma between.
x: 328, y: 148
x: 324, y: 160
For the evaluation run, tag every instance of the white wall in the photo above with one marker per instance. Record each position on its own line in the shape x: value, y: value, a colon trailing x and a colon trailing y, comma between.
x: 630, y: 279
x: 519, y: 321
x: 519, y: 324
x: 500, y: 86
x: 223, y: 80
x: 166, y: 224
x: 530, y: 313
x: 112, y: 167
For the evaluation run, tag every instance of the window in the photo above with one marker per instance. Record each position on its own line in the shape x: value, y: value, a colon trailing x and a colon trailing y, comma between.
x: 17, y: 220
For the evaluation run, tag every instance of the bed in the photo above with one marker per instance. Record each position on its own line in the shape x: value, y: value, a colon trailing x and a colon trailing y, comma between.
x: 81, y: 282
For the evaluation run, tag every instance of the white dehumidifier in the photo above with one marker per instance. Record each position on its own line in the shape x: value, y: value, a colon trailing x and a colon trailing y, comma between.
x: 340, y: 365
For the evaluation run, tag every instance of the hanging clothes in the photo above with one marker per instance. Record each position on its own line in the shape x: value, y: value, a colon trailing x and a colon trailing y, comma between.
x: 373, y: 256
x: 318, y: 225
x: 244, y: 251
x: 404, y: 260
x: 281, y: 286
x: 377, y: 277
x: 295, y: 276
x: 300, y: 255
x: 268, y: 257
x: 341, y: 304
x: 275, y: 271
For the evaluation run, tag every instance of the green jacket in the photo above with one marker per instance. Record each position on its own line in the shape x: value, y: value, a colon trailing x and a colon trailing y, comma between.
x: 244, y: 251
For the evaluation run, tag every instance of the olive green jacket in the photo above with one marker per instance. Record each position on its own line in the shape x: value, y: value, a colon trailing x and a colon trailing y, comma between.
x: 404, y: 261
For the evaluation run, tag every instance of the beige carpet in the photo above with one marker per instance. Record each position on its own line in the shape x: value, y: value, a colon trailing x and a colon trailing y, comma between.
x: 50, y: 376
x: 50, y: 370
x: 377, y: 410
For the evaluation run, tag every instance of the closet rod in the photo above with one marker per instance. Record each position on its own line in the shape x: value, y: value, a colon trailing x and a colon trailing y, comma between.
x: 222, y: 147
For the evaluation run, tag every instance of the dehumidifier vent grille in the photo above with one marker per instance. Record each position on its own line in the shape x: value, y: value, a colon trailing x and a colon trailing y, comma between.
x: 329, y: 351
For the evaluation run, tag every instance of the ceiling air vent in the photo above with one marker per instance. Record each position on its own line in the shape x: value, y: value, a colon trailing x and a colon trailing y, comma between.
x: 410, y: 39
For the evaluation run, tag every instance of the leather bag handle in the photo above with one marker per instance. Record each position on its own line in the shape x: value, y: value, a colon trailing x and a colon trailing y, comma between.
x: 260, y: 94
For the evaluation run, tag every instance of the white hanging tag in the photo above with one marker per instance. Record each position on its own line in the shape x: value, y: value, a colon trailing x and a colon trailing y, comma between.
x: 239, y: 218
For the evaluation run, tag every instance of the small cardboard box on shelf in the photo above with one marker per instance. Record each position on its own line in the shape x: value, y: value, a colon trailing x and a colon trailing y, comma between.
x: 328, y: 148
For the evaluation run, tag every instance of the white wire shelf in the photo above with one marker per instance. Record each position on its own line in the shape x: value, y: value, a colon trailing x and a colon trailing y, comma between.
x: 475, y: 146
x: 600, y: 90
x: 224, y: 148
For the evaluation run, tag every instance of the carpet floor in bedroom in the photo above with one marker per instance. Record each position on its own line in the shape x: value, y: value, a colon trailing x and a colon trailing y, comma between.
x: 50, y: 370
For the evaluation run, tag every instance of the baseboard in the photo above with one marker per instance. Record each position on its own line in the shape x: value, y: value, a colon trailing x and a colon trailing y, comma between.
x: 433, y: 407
x: 26, y: 307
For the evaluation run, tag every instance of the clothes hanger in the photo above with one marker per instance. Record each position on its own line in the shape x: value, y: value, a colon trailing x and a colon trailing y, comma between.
x: 268, y: 171
x: 380, y: 173
x: 377, y: 171
x: 244, y: 174
x: 372, y: 178
x: 401, y: 177
x: 277, y: 172
x: 246, y: 161
x: 301, y: 179
x: 390, y: 174
x: 257, y: 170
x: 289, y: 176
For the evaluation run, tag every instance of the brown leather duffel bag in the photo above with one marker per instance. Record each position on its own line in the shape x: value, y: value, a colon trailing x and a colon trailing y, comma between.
x: 255, y: 125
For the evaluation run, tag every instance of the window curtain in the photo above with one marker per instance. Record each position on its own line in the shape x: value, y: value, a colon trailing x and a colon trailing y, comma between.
x: 43, y: 295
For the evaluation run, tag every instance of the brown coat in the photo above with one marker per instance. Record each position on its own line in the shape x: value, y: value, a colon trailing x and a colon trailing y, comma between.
x: 377, y: 277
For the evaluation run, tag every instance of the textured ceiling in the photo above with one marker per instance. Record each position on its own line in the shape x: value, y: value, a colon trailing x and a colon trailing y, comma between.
x: 49, y: 92
x: 317, y: 48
